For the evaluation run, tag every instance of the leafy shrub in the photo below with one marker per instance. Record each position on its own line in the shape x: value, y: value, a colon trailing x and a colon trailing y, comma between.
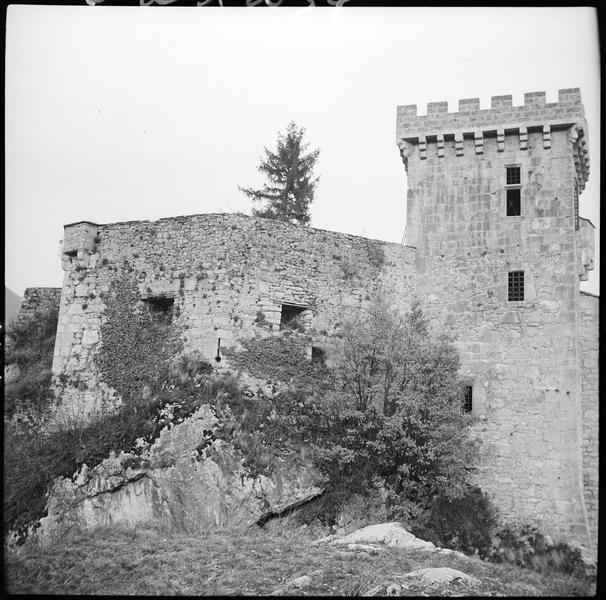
x: 387, y: 419
x: 376, y: 253
x: 31, y: 348
x: 525, y: 545
x: 280, y: 358
x: 466, y: 523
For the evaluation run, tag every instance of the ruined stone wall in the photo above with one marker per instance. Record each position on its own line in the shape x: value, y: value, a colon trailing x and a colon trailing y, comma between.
x: 39, y: 299
x: 520, y: 356
x: 589, y: 324
x: 229, y: 276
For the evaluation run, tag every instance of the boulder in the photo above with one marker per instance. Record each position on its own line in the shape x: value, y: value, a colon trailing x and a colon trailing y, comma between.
x: 389, y: 534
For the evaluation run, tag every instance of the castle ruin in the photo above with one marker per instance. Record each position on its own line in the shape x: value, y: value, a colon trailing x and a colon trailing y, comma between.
x: 494, y: 249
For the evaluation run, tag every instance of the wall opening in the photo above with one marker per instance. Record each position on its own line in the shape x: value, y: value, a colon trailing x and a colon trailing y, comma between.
x: 513, y: 193
x: 514, y: 203
x: 291, y: 317
x: 515, y: 286
x: 468, y: 399
x: 160, y: 308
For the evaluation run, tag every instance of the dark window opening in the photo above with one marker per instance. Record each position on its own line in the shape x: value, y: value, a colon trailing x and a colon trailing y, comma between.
x: 515, y: 286
x: 513, y: 181
x: 513, y: 202
x: 468, y: 399
x: 318, y: 355
x: 513, y: 176
x: 160, y: 308
x: 71, y: 253
x: 292, y: 317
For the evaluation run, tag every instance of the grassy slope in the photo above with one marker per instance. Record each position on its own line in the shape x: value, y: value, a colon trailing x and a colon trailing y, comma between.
x: 146, y: 561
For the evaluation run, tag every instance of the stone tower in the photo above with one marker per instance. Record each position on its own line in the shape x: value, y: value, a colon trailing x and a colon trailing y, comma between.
x: 492, y: 209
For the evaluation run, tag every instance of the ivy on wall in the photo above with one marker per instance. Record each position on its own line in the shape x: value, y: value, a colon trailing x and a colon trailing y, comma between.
x: 136, y: 348
x: 279, y: 358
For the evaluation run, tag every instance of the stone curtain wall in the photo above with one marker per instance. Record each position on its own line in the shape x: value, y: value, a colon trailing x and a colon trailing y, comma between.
x: 521, y: 357
x: 229, y: 276
x: 37, y: 299
x: 589, y: 325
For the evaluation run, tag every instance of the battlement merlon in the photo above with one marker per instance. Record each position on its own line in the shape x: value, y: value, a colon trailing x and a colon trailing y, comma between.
x: 502, y: 117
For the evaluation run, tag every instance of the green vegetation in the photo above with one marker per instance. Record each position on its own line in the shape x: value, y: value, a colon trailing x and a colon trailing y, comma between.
x: 31, y: 347
x: 146, y: 561
x: 291, y: 183
x: 137, y: 345
x: 33, y: 459
x: 385, y: 423
x: 526, y: 546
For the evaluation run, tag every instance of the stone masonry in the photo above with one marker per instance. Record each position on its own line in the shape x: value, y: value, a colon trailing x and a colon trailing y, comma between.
x: 228, y: 276
x: 531, y: 361
x: 522, y: 356
x: 36, y: 299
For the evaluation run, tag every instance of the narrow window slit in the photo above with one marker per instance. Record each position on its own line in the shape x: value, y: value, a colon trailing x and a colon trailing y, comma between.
x: 468, y: 399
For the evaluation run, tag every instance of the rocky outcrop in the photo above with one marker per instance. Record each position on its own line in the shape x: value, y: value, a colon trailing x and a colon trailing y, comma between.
x: 179, y: 483
x: 386, y: 534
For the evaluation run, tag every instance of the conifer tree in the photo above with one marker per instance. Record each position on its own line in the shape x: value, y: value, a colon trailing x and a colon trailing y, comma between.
x: 291, y: 184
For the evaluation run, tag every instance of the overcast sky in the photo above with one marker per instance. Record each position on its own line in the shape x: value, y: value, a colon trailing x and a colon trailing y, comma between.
x: 137, y: 113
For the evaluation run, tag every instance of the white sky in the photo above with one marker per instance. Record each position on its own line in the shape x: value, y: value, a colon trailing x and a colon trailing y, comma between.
x: 133, y: 113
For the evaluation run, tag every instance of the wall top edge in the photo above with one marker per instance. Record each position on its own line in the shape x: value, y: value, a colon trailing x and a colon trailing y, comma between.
x: 229, y: 217
x: 589, y: 294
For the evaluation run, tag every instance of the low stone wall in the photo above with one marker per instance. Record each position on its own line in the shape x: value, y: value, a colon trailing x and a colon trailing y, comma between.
x: 36, y: 299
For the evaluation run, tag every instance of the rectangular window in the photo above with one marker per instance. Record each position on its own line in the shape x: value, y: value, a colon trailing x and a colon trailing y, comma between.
x: 160, y: 308
x: 515, y: 286
x: 513, y: 202
x: 292, y: 317
x: 468, y: 399
x: 513, y: 176
x: 513, y: 191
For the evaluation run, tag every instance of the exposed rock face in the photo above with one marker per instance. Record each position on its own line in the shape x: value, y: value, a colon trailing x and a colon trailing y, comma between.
x: 176, y: 485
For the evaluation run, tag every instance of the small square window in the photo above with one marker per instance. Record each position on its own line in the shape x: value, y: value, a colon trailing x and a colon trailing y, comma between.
x: 160, y: 308
x: 515, y: 286
x: 513, y: 202
x: 513, y: 176
x: 291, y: 317
x: 468, y: 399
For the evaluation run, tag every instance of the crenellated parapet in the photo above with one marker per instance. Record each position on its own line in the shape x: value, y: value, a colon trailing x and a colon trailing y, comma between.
x: 439, y: 126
